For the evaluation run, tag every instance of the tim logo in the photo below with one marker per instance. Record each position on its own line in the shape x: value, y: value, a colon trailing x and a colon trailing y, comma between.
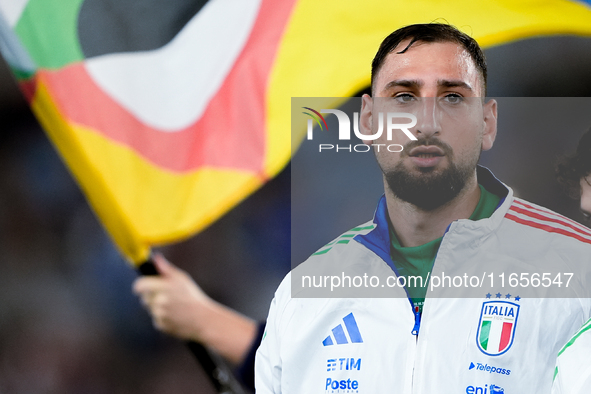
x: 343, y: 364
x: 393, y: 121
x: 496, y: 328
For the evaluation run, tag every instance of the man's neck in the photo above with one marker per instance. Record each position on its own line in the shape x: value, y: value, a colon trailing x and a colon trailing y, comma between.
x: 415, y: 227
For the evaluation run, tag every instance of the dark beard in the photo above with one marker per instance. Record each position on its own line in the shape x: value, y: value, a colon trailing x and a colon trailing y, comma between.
x: 429, y: 190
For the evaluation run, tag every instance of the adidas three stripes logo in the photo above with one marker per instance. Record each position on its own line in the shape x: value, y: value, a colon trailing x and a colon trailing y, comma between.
x: 349, y: 334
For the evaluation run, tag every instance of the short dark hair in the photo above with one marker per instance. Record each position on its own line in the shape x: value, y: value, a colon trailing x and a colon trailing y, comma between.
x: 429, y: 32
x: 571, y: 169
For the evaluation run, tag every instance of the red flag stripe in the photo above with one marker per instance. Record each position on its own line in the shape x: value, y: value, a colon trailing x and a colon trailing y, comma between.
x: 547, y: 228
x: 505, y: 336
x: 236, y: 114
x: 179, y: 151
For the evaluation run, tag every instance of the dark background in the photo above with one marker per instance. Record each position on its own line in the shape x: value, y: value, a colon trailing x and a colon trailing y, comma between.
x: 68, y: 320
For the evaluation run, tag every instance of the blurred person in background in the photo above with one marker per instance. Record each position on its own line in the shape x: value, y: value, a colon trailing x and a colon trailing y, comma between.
x: 573, y: 369
x: 574, y: 173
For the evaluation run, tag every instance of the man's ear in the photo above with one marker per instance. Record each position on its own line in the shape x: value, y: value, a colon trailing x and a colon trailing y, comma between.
x: 365, y: 117
x: 490, y: 124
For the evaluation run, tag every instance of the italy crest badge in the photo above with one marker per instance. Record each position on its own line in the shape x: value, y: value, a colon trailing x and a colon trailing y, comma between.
x: 496, y: 328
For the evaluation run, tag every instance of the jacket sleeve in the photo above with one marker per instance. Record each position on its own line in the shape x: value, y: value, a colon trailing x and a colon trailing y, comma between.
x: 268, y: 360
x: 245, y: 371
x: 573, y: 368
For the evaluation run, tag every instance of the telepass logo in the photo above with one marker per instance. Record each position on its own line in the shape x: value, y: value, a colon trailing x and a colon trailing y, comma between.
x: 392, y: 120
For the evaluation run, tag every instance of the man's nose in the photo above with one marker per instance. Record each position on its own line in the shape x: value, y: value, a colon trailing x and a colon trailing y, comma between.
x: 428, y: 118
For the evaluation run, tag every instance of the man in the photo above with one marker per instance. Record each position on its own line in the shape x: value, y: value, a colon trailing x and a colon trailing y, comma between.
x: 573, y: 371
x: 439, y: 213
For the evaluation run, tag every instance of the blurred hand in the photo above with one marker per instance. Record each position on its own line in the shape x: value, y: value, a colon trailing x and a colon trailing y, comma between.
x: 180, y: 308
x: 174, y: 300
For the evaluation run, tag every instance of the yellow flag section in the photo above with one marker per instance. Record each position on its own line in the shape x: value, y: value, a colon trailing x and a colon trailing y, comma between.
x: 103, y: 170
x: 328, y: 45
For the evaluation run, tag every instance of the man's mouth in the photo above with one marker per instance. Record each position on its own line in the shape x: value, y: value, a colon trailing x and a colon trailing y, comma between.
x: 426, y: 151
x: 426, y: 155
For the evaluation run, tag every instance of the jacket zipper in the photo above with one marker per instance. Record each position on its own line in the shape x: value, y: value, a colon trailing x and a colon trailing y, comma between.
x: 417, y: 326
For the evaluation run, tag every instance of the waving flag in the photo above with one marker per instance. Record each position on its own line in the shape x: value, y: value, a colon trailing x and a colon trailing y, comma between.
x: 169, y: 113
x: 157, y: 108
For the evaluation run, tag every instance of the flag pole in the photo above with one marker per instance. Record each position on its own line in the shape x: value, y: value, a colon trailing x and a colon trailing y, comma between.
x: 215, y: 368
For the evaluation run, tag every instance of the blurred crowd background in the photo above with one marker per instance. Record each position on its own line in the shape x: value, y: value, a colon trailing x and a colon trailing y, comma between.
x: 68, y: 320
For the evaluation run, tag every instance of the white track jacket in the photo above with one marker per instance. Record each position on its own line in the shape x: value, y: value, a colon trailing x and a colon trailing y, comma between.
x: 498, y: 343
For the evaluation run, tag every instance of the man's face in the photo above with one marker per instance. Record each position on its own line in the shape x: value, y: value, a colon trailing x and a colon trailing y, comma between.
x: 440, y: 84
x: 586, y: 196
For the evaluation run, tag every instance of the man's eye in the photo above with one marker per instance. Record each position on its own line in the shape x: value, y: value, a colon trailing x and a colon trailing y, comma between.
x: 453, y: 98
x: 404, y: 98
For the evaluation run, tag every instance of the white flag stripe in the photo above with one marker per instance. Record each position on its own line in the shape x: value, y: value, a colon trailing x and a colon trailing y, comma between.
x: 12, y: 10
x: 169, y: 88
x: 494, y: 336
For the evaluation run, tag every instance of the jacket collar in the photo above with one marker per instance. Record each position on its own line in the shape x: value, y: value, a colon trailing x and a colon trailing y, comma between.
x: 378, y: 239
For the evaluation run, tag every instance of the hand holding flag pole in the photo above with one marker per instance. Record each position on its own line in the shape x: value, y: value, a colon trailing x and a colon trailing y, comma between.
x: 169, y: 304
